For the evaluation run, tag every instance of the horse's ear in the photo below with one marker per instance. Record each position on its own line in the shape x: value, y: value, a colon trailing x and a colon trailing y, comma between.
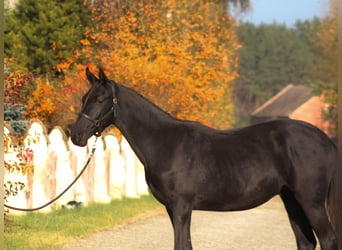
x: 102, y: 75
x: 91, y: 77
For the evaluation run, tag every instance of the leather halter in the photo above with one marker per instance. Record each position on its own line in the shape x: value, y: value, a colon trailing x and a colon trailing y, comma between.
x: 97, y: 122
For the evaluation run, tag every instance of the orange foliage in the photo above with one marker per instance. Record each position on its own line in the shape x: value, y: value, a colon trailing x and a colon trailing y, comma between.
x: 326, y: 48
x: 53, y: 103
x: 326, y: 45
x: 179, y: 54
x: 41, y: 104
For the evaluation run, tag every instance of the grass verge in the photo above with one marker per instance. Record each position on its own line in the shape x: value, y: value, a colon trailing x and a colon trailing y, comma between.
x: 54, y: 229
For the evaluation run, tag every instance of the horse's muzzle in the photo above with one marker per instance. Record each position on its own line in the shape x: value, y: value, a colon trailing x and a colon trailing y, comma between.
x: 78, y: 137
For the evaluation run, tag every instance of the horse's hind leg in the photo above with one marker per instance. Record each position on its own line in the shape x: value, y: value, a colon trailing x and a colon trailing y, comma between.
x: 299, y: 222
x: 318, y: 218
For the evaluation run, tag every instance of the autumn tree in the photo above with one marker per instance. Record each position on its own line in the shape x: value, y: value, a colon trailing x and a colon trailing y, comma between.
x: 39, y: 34
x: 180, y: 54
x: 14, y: 100
x: 325, y: 48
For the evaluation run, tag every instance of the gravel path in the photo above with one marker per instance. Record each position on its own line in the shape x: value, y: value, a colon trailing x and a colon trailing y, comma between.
x: 265, y: 227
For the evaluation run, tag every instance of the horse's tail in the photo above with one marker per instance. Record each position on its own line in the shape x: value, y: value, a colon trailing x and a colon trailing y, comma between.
x: 332, y: 202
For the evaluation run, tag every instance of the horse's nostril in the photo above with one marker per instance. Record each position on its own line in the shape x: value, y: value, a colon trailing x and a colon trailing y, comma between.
x: 79, y: 138
x: 75, y: 137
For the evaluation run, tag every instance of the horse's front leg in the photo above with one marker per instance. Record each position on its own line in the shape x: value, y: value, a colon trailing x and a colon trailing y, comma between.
x: 180, y: 215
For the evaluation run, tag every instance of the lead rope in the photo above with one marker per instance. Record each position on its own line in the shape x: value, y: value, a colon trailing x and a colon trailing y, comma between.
x: 67, y: 188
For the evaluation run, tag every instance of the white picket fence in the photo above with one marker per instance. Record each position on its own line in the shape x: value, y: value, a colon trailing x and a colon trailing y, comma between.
x: 114, y: 171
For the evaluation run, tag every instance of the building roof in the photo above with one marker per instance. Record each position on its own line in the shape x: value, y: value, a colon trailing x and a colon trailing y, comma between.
x: 285, y: 102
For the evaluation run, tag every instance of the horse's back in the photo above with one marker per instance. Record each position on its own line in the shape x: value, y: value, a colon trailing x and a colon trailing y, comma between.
x: 299, y: 150
x: 245, y: 167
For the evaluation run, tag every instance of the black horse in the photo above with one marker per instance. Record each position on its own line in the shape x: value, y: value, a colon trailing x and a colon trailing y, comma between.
x: 189, y: 166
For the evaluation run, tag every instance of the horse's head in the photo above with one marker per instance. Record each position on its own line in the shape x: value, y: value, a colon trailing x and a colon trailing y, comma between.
x: 98, y: 109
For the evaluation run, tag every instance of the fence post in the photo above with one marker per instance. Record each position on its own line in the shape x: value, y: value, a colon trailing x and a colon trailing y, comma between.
x: 142, y: 188
x: 10, y: 157
x: 78, y: 157
x: 100, y: 186
x: 61, y: 173
x: 116, y: 167
x: 130, y: 170
x: 36, y: 139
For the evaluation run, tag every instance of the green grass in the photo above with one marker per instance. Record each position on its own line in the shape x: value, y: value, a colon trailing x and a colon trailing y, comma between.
x: 54, y: 229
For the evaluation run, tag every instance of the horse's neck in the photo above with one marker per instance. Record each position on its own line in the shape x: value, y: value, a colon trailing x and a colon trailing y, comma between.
x: 142, y: 123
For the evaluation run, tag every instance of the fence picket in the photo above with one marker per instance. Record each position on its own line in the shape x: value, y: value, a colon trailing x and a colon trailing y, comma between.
x: 116, y: 166
x: 130, y: 171
x: 62, y: 174
x: 37, y: 140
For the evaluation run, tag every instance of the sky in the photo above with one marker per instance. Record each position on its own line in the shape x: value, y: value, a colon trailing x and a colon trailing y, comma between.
x: 284, y: 11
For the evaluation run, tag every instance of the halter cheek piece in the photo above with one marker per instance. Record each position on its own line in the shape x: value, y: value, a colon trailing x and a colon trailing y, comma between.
x: 97, y: 122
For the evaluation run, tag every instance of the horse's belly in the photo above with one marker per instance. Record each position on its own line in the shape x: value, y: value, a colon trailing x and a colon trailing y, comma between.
x: 237, y: 198
x: 232, y: 205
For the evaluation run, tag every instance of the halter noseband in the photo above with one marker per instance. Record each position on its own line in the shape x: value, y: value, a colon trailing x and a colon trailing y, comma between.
x: 97, y: 122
